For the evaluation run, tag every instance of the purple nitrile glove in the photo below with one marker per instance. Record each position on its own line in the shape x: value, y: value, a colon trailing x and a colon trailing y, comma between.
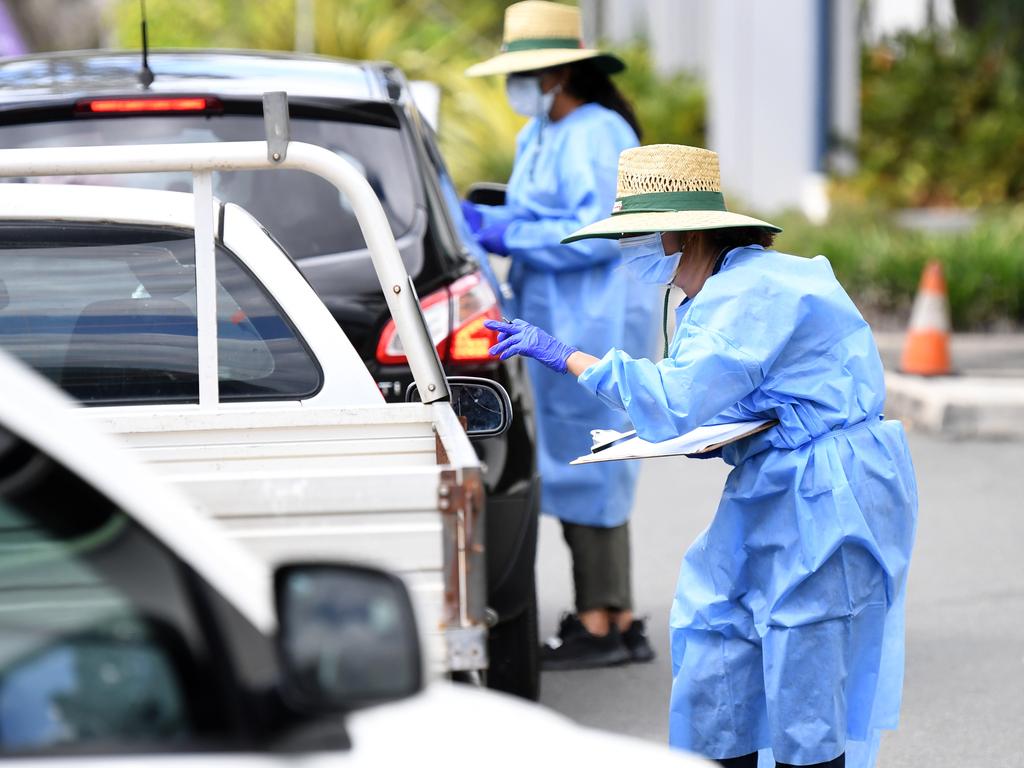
x: 492, y: 238
x: 520, y: 338
x: 472, y: 215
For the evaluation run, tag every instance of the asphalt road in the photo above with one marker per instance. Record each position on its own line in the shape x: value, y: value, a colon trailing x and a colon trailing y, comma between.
x: 964, y: 692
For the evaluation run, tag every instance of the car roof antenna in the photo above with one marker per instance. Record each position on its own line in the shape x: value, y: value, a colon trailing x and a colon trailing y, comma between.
x: 146, y: 75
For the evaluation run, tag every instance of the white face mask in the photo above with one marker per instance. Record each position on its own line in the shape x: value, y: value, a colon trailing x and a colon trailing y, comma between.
x: 644, y: 257
x: 526, y: 98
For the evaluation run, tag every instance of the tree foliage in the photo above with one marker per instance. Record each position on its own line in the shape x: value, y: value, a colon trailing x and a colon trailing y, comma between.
x: 943, y: 120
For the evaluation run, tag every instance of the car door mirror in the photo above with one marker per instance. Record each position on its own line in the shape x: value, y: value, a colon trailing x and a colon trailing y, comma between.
x: 483, y: 404
x: 486, y: 193
x: 347, y: 637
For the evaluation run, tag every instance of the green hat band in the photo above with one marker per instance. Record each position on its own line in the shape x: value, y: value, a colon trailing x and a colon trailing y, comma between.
x: 668, y: 202
x: 540, y: 43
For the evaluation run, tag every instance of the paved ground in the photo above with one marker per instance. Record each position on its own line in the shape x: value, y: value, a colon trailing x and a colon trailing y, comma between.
x: 964, y: 695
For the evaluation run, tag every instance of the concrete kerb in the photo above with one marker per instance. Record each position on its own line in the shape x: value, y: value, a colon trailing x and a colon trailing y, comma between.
x: 958, y: 406
x: 983, y: 399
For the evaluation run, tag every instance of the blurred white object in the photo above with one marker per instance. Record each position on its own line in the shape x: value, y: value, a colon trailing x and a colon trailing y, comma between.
x: 885, y: 18
x: 305, y: 26
x: 427, y: 96
x: 814, y: 202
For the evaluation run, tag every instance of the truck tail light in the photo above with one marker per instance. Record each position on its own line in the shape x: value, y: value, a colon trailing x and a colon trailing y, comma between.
x: 455, y: 319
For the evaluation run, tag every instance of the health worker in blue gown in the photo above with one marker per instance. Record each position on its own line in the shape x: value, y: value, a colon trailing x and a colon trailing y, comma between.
x: 787, y: 624
x: 564, y: 178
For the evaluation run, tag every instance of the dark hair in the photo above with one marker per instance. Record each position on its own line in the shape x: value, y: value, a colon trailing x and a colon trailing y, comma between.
x: 590, y: 83
x: 718, y: 240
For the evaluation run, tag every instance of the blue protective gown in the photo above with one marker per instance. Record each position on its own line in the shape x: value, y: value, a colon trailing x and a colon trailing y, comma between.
x: 787, y: 625
x: 564, y: 177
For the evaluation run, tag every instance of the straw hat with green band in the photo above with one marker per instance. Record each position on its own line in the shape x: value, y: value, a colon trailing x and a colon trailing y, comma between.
x: 667, y: 188
x: 539, y: 35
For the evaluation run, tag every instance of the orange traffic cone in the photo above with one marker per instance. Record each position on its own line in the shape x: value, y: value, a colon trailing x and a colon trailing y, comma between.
x: 926, y: 351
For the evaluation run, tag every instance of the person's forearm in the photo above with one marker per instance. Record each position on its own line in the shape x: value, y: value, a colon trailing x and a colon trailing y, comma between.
x: 578, y: 362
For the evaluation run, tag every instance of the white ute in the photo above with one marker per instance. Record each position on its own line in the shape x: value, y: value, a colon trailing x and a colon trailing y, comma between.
x: 133, y: 632
x: 193, y: 336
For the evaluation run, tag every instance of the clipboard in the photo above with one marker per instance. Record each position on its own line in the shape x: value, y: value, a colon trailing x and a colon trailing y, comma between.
x: 610, y: 445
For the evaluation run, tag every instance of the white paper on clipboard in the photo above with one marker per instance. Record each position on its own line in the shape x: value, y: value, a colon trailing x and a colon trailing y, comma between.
x: 610, y: 445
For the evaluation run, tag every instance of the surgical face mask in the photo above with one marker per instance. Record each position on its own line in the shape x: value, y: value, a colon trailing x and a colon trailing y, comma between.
x: 644, y: 257
x: 526, y: 98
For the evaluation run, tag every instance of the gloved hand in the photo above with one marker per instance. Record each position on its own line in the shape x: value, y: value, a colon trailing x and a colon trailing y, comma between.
x: 520, y: 338
x: 492, y: 238
x: 472, y: 215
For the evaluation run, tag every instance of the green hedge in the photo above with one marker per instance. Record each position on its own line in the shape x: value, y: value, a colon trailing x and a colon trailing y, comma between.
x: 880, y: 263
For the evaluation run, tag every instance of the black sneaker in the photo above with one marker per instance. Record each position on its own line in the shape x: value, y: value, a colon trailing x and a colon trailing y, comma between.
x: 575, y: 648
x: 636, y: 642
x: 570, y: 625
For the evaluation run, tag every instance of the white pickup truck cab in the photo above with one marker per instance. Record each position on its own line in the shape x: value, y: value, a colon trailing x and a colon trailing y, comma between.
x: 134, y: 632
x: 193, y: 337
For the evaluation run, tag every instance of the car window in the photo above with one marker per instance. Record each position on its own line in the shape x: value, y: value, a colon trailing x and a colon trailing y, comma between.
x: 100, y: 648
x: 453, y: 204
x: 109, y: 315
x: 305, y: 213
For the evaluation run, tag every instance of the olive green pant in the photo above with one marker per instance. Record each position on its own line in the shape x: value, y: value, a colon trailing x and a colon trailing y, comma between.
x: 600, y: 566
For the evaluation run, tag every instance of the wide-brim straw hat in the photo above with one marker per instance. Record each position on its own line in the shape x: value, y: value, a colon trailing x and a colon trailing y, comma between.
x: 667, y: 188
x: 540, y: 35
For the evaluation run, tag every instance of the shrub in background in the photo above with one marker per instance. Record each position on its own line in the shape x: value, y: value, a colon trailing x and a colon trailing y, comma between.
x: 880, y: 263
x: 942, y: 120
x: 942, y: 124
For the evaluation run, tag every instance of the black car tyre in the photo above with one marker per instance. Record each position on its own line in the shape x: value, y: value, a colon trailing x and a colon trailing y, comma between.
x: 514, y: 651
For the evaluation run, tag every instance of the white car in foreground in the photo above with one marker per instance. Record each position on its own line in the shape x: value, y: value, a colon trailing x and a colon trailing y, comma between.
x: 132, y: 630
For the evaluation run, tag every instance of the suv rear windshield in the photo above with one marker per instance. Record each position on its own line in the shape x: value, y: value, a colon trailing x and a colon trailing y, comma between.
x: 304, y: 212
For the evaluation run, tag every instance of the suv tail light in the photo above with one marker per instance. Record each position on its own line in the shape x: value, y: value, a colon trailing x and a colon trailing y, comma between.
x: 455, y: 319
x: 147, y: 104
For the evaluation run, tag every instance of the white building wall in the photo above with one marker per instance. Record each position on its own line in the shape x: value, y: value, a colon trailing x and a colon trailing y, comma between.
x: 769, y: 114
x: 678, y: 35
x: 763, y: 99
x: 675, y: 30
x: 844, y: 122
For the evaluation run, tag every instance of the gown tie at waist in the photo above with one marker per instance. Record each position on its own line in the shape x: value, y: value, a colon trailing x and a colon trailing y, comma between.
x: 836, y: 431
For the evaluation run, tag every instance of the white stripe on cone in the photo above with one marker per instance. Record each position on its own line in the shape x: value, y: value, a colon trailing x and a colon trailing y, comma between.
x: 930, y: 312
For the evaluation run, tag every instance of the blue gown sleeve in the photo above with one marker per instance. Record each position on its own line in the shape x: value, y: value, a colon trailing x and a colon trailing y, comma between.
x: 496, y: 214
x: 586, y: 175
x: 706, y: 375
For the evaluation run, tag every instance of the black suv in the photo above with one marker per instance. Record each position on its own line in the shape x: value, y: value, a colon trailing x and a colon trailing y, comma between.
x: 364, y: 112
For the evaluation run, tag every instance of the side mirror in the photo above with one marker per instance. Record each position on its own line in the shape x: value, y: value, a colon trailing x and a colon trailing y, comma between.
x: 486, y: 193
x: 484, y: 404
x: 347, y: 637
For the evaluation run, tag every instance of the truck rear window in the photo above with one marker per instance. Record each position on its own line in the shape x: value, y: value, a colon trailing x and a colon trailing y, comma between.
x: 109, y: 314
x: 305, y: 213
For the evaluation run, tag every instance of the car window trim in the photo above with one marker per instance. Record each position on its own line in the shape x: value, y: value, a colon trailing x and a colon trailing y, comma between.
x: 222, y: 247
